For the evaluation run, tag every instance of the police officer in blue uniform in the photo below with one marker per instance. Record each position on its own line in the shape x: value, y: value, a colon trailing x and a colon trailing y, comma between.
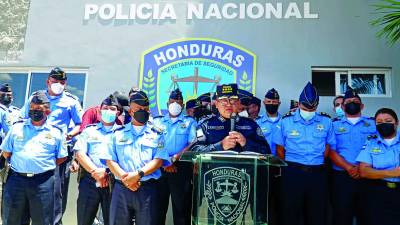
x: 254, y: 108
x: 302, y: 140
x: 65, y: 108
x: 191, y: 106
x: 337, y: 106
x: 215, y: 133
x: 94, y: 184
x: 271, y: 118
x: 9, y: 113
x: 243, y: 104
x: 135, y: 156
x: 351, y: 133
x: 179, y: 132
x: 380, y: 166
x: 34, y: 148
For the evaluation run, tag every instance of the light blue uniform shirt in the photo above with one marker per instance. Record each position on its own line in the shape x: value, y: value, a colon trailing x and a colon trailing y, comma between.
x: 93, y: 142
x: 178, y: 134
x: 64, y: 109
x: 132, y: 150
x: 380, y: 155
x: 8, y: 116
x: 268, y: 128
x: 34, y: 149
x: 304, y: 141
x: 350, y: 138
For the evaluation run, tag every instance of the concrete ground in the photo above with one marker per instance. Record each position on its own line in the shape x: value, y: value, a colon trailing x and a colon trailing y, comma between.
x: 70, y: 214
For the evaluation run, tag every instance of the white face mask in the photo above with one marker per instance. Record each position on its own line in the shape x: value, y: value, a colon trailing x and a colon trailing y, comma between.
x: 244, y: 113
x: 307, y: 115
x: 174, y: 109
x: 57, y: 88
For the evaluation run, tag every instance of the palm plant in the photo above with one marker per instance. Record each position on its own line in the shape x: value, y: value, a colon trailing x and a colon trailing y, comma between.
x: 390, y: 20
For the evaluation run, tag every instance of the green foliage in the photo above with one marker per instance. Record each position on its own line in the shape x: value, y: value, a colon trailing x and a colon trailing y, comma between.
x: 149, y: 88
x: 244, y: 82
x: 389, y: 20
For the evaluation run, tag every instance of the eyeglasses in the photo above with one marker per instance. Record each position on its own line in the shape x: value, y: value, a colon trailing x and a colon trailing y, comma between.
x: 231, y: 101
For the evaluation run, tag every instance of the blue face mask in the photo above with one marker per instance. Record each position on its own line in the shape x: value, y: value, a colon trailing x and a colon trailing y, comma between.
x: 339, y: 111
x: 108, y: 116
x: 307, y: 115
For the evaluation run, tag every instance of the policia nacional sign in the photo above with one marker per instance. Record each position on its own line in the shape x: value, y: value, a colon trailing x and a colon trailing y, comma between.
x: 196, y: 66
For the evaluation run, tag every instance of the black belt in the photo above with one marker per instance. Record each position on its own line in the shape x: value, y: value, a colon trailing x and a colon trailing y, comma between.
x: 142, y: 183
x: 32, y: 175
x: 384, y: 183
x: 306, y: 168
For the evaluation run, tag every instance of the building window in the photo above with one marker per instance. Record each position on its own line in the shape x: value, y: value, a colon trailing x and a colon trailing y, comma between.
x: 26, y: 81
x: 367, y: 82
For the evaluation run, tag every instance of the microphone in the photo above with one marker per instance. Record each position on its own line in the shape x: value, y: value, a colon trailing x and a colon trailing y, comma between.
x: 233, y: 121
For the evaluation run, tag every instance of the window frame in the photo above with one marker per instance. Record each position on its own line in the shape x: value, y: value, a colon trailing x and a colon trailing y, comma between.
x: 349, y: 71
x: 30, y: 70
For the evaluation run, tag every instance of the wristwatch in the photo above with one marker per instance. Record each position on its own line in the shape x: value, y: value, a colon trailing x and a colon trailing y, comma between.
x: 141, y: 173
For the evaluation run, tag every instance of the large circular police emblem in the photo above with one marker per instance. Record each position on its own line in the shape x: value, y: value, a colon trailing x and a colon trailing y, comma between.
x: 227, y: 191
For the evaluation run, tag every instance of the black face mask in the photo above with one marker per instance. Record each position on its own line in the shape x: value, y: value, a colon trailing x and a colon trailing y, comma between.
x: 36, y: 115
x: 141, y: 116
x: 5, y: 100
x: 352, y: 108
x: 271, y: 109
x: 385, y: 129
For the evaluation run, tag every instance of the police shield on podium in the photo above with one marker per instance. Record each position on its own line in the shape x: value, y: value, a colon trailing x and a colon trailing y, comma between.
x: 230, y: 187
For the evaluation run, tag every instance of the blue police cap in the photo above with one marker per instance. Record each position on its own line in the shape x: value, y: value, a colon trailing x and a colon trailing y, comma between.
x: 5, y: 88
x: 192, y: 103
x: 110, y: 100
x: 350, y: 93
x: 227, y: 91
x: 309, y: 96
x: 139, y: 97
x: 255, y: 101
x: 244, y: 97
x: 272, y: 94
x: 39, y: 97
x: 58, y: 74
x: 176, y: 94
x: 206, y: 97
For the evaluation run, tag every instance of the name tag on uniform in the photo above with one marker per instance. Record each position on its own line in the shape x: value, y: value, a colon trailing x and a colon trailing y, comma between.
x: 376, y: 150
x: 342, y: 129
x: 294, y: 133
x: 244, y: 127
x: 216, y: 127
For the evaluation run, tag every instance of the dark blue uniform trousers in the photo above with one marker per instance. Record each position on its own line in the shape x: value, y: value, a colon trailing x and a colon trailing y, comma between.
x: 33, y: 193
x: 382, y: 202
x: 347, y: 201
x: 140, y: 204
x: 304, y: 195
x: 179, y: 187
x: 89, y: 199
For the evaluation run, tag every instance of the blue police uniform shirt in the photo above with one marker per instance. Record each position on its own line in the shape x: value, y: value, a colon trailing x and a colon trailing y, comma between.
x: 380, y: 155
x: 8, y: 116
x: 305, y: 141
x: 268, y: 127
x: 214, y: 129
x: 132, y: 150
x: 93, y: 142
x: 34, y: 149
x: 177, y: 134
x: 64, y: 109
x: 350, y: 138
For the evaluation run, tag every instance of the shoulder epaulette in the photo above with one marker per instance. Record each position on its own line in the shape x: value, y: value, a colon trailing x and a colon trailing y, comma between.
x: 156, y: 129
x: 3, y: 107
x: 287, y: 115
x: 18, y: 121
x: 324, y: 114
x: 373, y: 136
x: 335, y: 119
x: 91, y: 125
x: 159, y: 116
x: 71, y: 96
x: 119, y: 128
x: 58, y: 128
